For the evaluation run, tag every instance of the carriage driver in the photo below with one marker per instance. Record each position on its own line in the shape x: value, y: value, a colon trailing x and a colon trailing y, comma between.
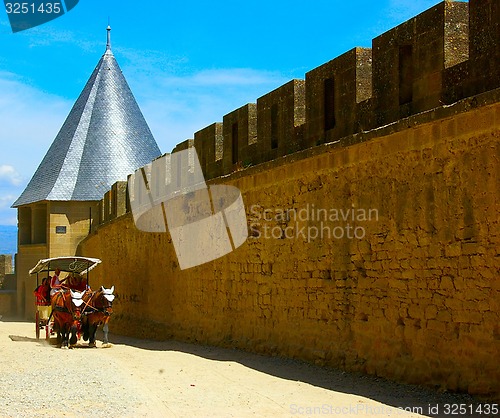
x: 77, y: 282
x: 55, y: 283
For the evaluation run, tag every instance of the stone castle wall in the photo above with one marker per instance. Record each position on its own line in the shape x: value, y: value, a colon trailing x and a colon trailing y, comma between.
x: 7, y: 286
x: 371, y: 191
x: 5, y: 266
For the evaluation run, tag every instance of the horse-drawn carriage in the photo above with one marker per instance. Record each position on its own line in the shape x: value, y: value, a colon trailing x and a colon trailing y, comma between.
x: 70, y: 310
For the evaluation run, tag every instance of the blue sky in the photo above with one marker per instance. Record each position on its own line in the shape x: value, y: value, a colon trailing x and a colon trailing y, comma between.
x: 187, y: 63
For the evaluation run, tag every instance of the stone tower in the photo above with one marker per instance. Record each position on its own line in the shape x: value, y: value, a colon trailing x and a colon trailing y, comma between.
x: 104, y: 138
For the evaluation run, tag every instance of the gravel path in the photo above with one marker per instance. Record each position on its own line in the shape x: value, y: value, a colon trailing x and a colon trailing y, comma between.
x: 142, y: 378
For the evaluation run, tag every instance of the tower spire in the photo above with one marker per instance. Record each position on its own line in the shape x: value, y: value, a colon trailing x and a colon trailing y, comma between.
x: 108, y: 44
x: 104, y: 139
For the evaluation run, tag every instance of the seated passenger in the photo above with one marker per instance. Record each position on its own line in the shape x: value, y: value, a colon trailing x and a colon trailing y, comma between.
x: 42, y: 292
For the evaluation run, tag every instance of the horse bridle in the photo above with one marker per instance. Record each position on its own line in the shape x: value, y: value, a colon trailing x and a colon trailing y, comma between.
x: 103, y: 310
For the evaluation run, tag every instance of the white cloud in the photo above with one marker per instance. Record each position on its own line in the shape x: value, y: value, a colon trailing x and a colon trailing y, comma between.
x: 10, y: 175
x: 225, y: 77
x: 8, y: 216
x: 6, y: 201
x: 29, y: 122
x: 176, y: 106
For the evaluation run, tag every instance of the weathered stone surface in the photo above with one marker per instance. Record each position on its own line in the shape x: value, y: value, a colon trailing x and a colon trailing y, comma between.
x: 421, y: 279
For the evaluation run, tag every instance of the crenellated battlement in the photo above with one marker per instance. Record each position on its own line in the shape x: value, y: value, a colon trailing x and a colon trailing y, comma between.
x: 444, y: 54
x: 210, y: 144
x: 441, y: 56
x: 337, y: 97
x: 280, y: 121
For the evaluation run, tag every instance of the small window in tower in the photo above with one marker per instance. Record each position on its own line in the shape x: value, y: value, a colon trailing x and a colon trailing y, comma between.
x: 405, y: 74
x: 329, y: 104
x: 234, y: 142
x: 39, y: 224
x: 24, y: 216
x: 274, y: 126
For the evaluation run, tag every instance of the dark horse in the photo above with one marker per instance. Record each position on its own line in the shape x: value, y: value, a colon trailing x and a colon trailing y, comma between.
x: 97, y: 311
x: 67, y: 315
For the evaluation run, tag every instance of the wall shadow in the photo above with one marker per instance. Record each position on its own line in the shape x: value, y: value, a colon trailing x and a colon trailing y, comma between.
x: 379, y: 389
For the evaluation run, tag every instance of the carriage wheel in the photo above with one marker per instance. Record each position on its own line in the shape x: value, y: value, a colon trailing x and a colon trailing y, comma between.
x: 47, y: 330
x: 37, y: 325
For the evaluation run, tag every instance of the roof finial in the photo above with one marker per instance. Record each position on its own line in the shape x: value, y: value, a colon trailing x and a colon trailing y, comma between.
x: 108, y: 44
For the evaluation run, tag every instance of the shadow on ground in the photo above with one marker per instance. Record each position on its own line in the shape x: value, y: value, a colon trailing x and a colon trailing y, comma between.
x: 418, y: 398
x: 397, y: 395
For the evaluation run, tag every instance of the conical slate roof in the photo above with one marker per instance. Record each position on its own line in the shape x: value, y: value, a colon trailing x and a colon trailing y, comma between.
x: 104, y: 139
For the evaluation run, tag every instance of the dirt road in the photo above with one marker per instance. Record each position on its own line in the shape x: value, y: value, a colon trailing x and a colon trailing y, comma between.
x: 142, y: 378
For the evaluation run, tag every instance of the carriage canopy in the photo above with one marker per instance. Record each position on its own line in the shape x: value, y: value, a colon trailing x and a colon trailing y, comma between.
x: 72, y: 264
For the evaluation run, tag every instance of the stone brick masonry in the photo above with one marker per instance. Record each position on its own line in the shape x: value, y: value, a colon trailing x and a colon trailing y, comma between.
x: 374, y: 240
x: 413, y: 296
